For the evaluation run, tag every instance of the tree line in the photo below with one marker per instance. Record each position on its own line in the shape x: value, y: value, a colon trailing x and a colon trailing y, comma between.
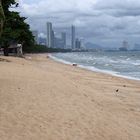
x: 13, y: 28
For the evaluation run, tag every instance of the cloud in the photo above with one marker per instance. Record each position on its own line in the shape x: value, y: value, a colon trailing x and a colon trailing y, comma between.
x: 96, y: 20
x: 119, y: 8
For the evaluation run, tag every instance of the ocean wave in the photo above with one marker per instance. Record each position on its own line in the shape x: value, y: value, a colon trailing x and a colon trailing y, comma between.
x: 93, y: 68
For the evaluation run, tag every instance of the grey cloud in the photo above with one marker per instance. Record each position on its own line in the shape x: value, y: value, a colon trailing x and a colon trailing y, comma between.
x: 119, y: 8
x: 102, y: 21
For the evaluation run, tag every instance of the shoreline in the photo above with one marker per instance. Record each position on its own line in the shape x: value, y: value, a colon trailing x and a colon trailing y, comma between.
x: 43, y: 99
x: 93, y: 69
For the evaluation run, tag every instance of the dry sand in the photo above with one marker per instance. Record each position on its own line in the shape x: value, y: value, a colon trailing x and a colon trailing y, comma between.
x: 44, y: 100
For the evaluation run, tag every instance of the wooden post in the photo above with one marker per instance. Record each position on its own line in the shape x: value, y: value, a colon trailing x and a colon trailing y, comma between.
x: 6, y: 51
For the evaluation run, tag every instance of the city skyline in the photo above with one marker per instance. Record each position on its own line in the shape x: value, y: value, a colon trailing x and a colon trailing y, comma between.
x: 51, y: 32
x: 75, y: 43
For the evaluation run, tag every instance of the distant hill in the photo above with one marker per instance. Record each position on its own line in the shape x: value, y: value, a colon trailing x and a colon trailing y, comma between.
x: 93, y: 46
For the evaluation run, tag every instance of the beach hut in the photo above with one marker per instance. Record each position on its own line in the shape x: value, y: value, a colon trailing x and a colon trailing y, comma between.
x: 14, y: 49
x: 17, y: 49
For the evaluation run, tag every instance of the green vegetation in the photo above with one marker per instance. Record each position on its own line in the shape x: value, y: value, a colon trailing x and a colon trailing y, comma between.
x: 2, y: 18
x: 15, y: 30
x: 44, y: 49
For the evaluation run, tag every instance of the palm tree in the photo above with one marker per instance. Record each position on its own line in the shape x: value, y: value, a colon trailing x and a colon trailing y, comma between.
x: 2, y: 17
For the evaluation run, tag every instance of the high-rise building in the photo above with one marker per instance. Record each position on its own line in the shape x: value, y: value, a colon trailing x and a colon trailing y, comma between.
x: 73, y: 37
x: 124, y: 46
x: 50, y: 35
x: 52, y: 39
x: 59, y: 43
x: 77, y: 44
x: 63, y: 36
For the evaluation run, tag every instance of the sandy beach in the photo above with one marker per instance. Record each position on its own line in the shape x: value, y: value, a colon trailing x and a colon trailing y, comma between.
x: 41, y: 99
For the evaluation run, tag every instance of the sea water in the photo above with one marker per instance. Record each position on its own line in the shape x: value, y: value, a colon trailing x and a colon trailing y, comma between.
x: 125, y: 64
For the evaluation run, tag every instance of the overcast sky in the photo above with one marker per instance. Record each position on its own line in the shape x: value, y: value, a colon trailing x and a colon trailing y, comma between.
x: 105, y: 22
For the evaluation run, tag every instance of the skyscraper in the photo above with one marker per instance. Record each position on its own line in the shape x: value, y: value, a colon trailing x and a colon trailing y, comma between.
x: 73, y: 37
x: 52, y: 39
x: 77, y: 44
x: 63, y: 36
x: 124, y: 46
x: 50, y: 35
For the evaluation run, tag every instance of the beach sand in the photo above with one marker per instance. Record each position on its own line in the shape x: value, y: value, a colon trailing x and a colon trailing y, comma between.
x: 41, y: 99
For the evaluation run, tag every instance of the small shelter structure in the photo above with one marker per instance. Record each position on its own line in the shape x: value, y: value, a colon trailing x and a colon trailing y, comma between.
x: 16, y: 49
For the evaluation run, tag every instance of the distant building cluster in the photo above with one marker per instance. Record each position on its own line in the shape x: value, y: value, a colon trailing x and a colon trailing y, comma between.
x: 35, y: 34
x: 55, y: 42
x: 52, y: 41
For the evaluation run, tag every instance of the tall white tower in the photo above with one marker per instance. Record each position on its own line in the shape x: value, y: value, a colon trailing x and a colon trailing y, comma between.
x: 49, y: 35
x: 73, y: 37
x: 63, y: 36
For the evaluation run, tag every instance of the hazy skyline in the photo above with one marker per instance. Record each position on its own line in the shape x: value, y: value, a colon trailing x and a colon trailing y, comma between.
x: 105, y: 22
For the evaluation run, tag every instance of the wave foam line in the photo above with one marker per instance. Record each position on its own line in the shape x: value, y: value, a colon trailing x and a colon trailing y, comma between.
x: 91, y: 68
